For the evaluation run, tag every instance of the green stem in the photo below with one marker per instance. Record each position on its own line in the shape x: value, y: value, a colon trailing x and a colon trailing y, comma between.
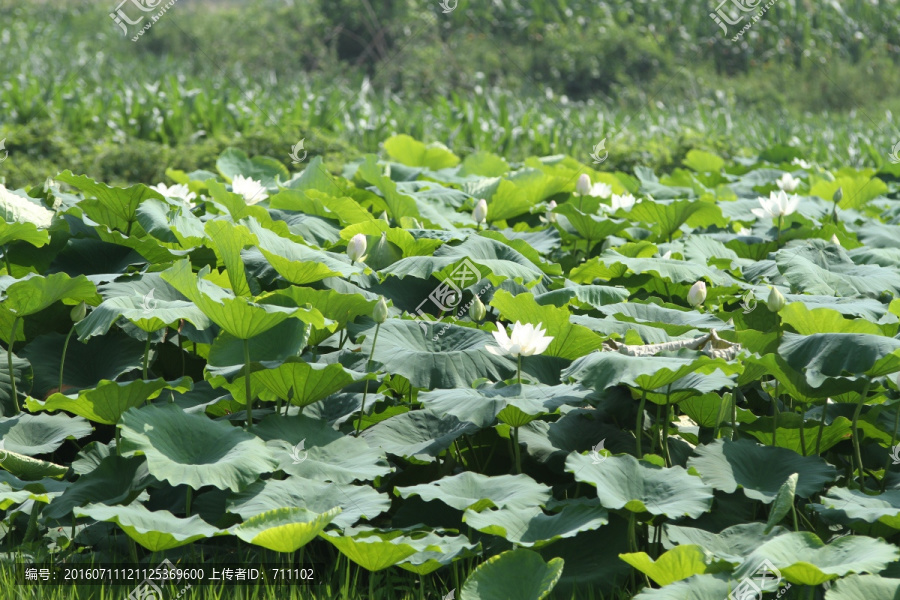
x: 516, y: 450
x: 665, y: 445
x: 9, y: 364
x: 147, y: 354
x: 780, y: 225
x: 775, y: 413
x: 62, y: 363
x: 821, y: 429
x: 187, y: 501
x: 519, y: 370
x: 362, y: 406
x: 247, y: 386
x: 658, y: 422
x: 890, y: 460
x: 6, y: 260
x: 859, y: 405
x: 802, y: 435
x: 639, y: 426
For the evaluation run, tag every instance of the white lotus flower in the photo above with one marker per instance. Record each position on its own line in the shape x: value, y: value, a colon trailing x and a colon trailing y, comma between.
x: 178, y: 191
x: 601, y: 190
x: 480, y: 212
x: 625, y: 202
x: 526, y: 340
x: 583, y: 185
x: 667, y: 255
x: 788, y: 183
x: 835, y: 240
x: 778, y: 205
x: 801, y: 163
x: 356, y: 247
x: 252, y: 190
x: 550, y: 216
x: 17, y: 208
x: 697, y: 294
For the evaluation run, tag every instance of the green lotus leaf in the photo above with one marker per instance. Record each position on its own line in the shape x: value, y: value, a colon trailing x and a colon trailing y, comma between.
x: 398, y: 205
x: 34, y: 293
x: 477, y: 492
x: 864, y: 587
x: 583, y: 296
x: 110, y: 399
x: 666, y: 217
x: 326, y: 203
x: 355, y: 501
x: 788, y: 432
x: 157, y: 530
x: 407, y: 150
x: 678, y: 563
x: 612, y: 265
x: 284, y: 529
x: 116, y: 480
x: 759, y: 470
x: 854, y: 507
x: 825, y: 355
x: 28, y: 468
x: 419, y: 435
x: 784, y: 502
x: 338, y: 307
x: 376, y: 550
x: 603, y: 370
x: 310, y: 448
x: 22, y: 232
x: 820, y: 267
x: 191, y: 449
x: 675, y: 321
x: 40, y: 434
x: 637, y: 486
x: 443, y: 550
x: 520, y: 574
x: 532, y: 527
x: 146, y: 313
x: 698, y: 587
x: 455, y: 359
x: 301, y: 264
x: 824, y: 320
x: 21, y: 371
x: 732, y: 544
x: 238, y: 316
x: 112, y: 206
x: 802, y: 558
x: 304, y: 383
x: 589, y: 226
x: 234, y: 161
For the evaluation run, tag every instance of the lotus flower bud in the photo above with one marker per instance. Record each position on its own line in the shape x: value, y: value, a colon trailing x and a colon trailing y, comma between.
x: 356, y: 249
x: 78, y: 312
x: 776, y: 301
x: 835, y: 240
x: 380, y: 312
x: 838, y: 195
x: 477, y: 311
x: 480, y: 212
x: 384, y: 217
x: 551, y: 216
x: 697, y: 295
x: 583, y: 187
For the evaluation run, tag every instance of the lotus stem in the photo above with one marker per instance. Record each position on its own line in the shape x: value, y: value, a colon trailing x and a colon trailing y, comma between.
x: 519, y: 370
x: 147, y: 354
x: 821, y: 429
x: 893, y: 442
x: 639, y: 426
x: 9, y: 363
x: 62, y: 363
x: 775, y: 414
x: 6, y: 260
x: 362, y: 406
x: 516, y: 451
x: 247, y: 386
x: 187, y: 501
x: 859, y: 405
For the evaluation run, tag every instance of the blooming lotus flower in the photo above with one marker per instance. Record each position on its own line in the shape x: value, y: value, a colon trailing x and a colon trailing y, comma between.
x: 625, y: 202
x: 697, y: 294
x: 252, y: 190
x: 526, y: 340
x: 801, y: 163
x: 176, y: 192
x: 551, y: 216
x: 480, y: 212
x: 778, y: 205
x: 601, y: 190
x: 356, y: 248
x: 775, y: 301
x: 583, y: 186
x: 788, y: 183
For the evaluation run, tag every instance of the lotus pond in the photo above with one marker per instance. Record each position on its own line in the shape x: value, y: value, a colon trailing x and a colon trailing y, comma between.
x: 430, y: 376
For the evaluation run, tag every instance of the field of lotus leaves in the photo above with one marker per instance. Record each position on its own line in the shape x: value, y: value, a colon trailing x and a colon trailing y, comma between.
x: 442, y: 377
